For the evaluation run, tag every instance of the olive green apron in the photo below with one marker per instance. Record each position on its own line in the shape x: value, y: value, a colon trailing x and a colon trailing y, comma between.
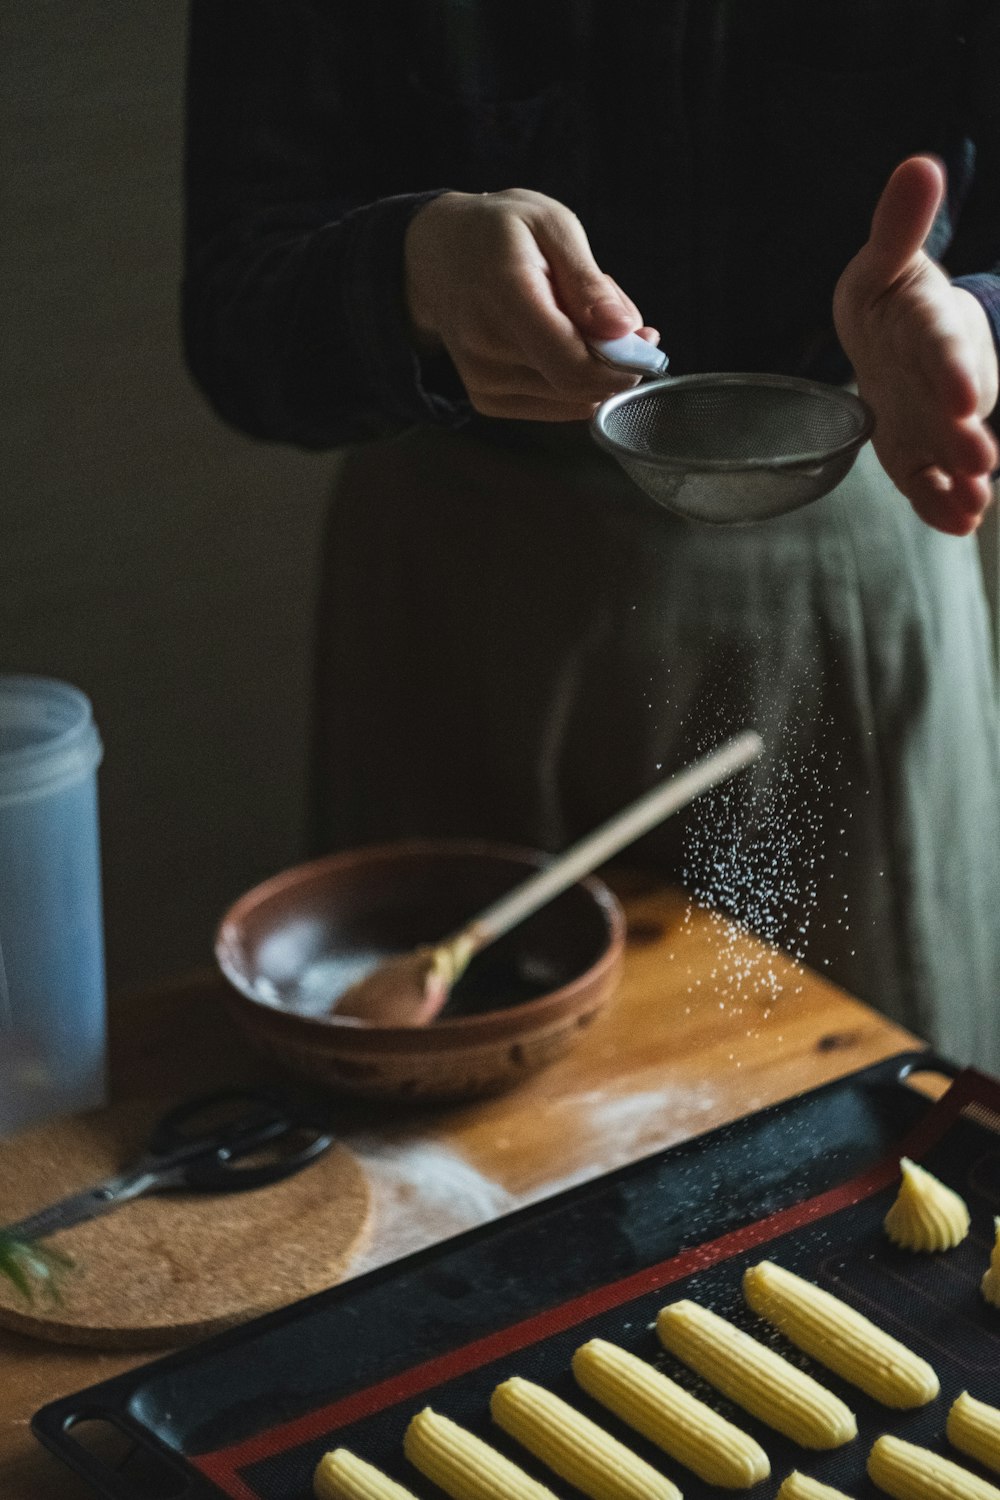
x: 515, y: 642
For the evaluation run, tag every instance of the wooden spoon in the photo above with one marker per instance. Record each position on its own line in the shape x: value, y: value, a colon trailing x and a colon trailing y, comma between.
x: 409, y: 990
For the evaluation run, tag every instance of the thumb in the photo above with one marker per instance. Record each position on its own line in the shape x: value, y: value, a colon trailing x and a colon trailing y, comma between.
x: 588, y: 297
x: 903, y: 218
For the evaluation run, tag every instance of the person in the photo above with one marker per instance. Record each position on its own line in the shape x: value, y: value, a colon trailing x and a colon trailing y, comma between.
x: 405, y: 224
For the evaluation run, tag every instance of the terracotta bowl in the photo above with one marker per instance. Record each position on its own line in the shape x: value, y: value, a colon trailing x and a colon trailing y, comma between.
x: 289, y: 945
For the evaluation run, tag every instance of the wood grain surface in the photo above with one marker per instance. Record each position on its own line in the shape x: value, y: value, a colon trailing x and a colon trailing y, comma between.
x: 707, y: 1026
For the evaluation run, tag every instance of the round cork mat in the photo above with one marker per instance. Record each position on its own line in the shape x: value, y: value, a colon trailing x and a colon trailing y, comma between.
x: 167, y: 1269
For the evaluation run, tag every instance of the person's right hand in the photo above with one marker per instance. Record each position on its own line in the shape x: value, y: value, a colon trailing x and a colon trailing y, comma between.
x: 507, y: 284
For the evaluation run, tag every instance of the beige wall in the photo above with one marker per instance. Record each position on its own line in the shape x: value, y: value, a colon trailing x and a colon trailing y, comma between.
x: 157, y: 560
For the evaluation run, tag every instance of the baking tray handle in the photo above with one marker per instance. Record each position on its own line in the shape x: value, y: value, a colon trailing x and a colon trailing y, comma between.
x: 53, y: 1427
x: 924, y: 1062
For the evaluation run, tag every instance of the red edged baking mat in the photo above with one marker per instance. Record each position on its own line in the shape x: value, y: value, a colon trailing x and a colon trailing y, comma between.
x: 931, y: 1302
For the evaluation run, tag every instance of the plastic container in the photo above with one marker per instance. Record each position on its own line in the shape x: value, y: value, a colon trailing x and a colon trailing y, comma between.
x: 52, y: 987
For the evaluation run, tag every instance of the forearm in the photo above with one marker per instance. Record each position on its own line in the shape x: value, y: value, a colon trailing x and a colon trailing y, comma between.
x: 302, y: 335
x: 973, y: 256
x: 293, y: 300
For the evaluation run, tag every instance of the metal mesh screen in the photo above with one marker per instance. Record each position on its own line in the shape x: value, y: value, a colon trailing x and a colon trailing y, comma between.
x: 731, y: 449
x: 731, y: 423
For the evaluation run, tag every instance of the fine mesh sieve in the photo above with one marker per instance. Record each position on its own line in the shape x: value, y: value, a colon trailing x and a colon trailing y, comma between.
x: 730, y: 448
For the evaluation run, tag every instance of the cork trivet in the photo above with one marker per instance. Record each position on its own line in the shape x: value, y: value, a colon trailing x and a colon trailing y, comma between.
x: 170, y: 1268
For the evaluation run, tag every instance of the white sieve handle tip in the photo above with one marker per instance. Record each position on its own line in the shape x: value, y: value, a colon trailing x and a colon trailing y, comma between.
x: 635, y: 355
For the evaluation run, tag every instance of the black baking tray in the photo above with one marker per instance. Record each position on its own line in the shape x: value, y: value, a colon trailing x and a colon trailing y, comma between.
x: 231, y: 1393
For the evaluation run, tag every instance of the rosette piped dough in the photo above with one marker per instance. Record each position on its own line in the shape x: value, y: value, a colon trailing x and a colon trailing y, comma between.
x: 991, y: 1281
x: 926, y: 1215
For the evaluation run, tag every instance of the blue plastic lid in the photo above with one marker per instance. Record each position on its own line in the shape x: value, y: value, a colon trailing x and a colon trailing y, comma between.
x: 48, y: 738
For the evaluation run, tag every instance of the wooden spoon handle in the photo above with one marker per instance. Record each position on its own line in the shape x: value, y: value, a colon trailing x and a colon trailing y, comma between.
x: 613, y: 836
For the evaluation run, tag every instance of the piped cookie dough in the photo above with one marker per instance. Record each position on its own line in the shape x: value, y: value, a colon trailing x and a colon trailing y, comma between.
x: 991, y: 1281
x: 800, y: 1487
x: 340, y: 1475
x: 926, y: 1215
x: 574, y: 1447
x: 755, y: 1377
x: 838, y: 1337
x: 663, y: 1411
x: 910, y: 1473
x: 974, y: 1428
x: 463, y: 1465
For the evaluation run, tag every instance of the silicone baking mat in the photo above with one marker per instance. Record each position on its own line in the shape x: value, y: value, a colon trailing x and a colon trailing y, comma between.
x: 443, y: 1328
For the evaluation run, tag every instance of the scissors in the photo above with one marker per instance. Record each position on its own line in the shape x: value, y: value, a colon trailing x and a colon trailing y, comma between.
x: 234, y: 1124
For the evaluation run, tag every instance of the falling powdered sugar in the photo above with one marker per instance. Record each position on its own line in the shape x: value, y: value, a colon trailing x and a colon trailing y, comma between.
x: 759, y: 849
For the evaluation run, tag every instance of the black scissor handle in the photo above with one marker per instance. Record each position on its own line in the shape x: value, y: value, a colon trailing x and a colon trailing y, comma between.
x: 205, y: 1139
x: 228, y: 1117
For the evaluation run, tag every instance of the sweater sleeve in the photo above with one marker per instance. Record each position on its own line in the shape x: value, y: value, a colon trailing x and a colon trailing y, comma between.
x: 986, y: 289
x: 973, y: 258
x: 293, y: 307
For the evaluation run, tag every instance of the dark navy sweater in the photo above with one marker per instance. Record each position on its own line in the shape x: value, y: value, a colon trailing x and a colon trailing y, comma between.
x: 724, y: 157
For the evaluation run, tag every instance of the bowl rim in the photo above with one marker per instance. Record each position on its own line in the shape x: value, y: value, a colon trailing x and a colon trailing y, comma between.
x: 359, y: 1035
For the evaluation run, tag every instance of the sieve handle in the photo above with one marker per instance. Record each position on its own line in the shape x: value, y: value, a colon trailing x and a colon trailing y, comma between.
x: 634, y: 355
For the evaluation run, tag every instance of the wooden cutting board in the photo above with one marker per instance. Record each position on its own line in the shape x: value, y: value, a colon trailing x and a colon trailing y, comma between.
x: 168, y: 1269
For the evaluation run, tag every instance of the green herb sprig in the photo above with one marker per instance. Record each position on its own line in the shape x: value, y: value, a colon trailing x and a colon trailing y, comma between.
x: 32, y: 1268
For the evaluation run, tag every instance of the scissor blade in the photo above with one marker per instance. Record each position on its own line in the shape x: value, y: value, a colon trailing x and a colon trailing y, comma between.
x: 79, y: 1207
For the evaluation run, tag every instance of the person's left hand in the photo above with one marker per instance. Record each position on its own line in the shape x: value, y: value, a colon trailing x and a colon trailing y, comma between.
x: 923, y: 355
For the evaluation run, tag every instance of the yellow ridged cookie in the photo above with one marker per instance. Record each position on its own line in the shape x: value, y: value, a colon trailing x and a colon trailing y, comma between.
x: 991, y: 1281
x: 340, y: 1475
x: 840, y: 1338
x: 653, y: 1404
x: 756, y: 1378
x: 574, y: 1447
x: 910, y: 1473
x: 974, y: 1428
x: 463, y: 1465
x: 800, y: 1487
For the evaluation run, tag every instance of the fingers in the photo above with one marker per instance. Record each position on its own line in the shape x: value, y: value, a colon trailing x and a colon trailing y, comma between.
x: 943, y: 365
x: 944, y: 474
x: 547, y: 341
x: 902, y: 220
x: 493, y: 377
x: 952, y: 504
x: 544, y: 370
x: 933, y: 436
x: 593, y: 301
x: 946, y: 479
x: 507, y: 284
x: 968, y: 448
